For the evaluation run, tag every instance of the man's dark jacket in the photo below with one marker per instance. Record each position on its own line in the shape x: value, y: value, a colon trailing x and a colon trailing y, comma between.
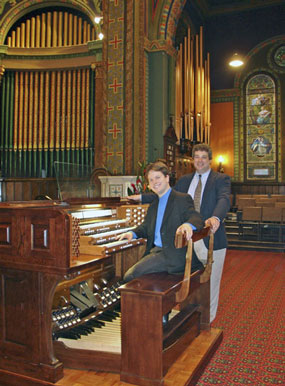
x: 179, y: 209
x: 215, y: 201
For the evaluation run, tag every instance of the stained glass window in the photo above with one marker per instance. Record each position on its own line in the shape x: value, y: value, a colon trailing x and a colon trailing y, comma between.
x: 260, y: 128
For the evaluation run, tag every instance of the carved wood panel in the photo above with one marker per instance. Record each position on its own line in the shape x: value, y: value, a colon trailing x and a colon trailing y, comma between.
x: 19, y: 313
x: 34, y: 238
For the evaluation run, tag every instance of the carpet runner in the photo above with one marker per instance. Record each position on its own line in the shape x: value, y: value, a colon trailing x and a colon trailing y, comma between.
x: 252, y: 314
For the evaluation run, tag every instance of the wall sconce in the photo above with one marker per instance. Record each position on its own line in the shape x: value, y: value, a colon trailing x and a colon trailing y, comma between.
x: 236, y: 61
x: 221, y: 160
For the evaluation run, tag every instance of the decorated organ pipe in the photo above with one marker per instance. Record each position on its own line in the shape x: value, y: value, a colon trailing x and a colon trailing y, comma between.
x: 47, y: 112
x: 51, y: 29
x: 50, y: 111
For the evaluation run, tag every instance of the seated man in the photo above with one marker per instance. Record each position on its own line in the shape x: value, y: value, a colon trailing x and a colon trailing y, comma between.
x: 171, y: 212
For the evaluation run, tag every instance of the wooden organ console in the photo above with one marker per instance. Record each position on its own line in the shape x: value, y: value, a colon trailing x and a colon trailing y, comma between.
x: 47, y: 266
x: 61, y: 295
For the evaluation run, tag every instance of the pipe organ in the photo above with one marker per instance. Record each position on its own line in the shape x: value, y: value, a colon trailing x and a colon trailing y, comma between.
x: 48, y: 97
x: 63, y: 302
x: 51, y: 114
x: 50, y: 284
x: 51, y: 29
x: 193, y: 90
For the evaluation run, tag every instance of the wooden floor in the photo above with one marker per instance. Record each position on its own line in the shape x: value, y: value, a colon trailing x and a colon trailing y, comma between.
x: 182, y: 372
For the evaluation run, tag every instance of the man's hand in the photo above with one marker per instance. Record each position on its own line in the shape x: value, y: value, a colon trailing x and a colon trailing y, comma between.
x: 135, y: 197
x: 214, y: 223
x: 186, y: 230
x: 127, y: 235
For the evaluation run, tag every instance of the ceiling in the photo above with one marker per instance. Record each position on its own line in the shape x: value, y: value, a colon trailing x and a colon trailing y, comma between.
x: 210, y: 8
x: 231, y: 26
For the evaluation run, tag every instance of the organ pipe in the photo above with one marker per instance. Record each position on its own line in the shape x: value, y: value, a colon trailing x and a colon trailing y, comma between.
x: 43, y: 30
x: 31, y: 144
x: 32, y: 35
x: 65, y: 35
x: 36, y: 108
x: 80, y: 30
x: 43, y: 111
x: 68, y: 111
x: 50, y: 109
x: 28, y: 34
x: 38, y: 31
x: 26, y: 131
x: 21, y: 94
x: 75, y: 31
x: 79, y: 128
x: 16, y: 111
x: 82, y: 123
x: 58, y: 106
x: 193, y: 89
x: 87, y: 107
x: 52, y: 29
x: 60, y: 28
x: 74, y: 143
x: 70, y: 30
x: 63, y: 111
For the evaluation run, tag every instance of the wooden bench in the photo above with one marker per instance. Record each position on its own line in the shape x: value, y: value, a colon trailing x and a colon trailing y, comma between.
x: 149, y: 348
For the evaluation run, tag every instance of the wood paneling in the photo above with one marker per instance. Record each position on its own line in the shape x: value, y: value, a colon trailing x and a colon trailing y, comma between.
x: 222, y: 140
x: 26, y: 189
x: 258, y: 188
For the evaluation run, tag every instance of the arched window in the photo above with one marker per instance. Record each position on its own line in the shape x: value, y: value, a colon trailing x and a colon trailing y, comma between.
x: 260, y: 128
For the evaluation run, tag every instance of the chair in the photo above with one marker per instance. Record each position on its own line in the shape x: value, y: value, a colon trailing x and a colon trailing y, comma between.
x: 239, y: 196
x: 180, y: 241
x: 281, y: 198
x: 249, y: 225
x: 245, y: 202
x: 265, y: 202
x: 280, y: 204
x: 283, y: 215
x: 271, y: 223
x: 273, y: 214
x: 275, y: 196
x: 260, y: 196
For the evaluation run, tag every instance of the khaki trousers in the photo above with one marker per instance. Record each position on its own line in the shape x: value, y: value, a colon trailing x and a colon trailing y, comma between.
x: 216, y: 275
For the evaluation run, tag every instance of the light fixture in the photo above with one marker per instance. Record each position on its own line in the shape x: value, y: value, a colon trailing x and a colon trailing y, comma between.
x: 97, y: 19
x: 236, y: 61
x: 221, y: 160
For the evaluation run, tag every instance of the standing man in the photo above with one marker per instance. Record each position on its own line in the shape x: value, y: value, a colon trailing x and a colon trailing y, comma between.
x: 214, y: 203
x: 170, y: 212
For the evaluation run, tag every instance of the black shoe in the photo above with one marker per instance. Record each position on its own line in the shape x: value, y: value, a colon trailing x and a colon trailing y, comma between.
x: 165, y: 318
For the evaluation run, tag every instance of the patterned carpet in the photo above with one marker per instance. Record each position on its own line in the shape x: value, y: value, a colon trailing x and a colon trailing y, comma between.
x: 252, y: 315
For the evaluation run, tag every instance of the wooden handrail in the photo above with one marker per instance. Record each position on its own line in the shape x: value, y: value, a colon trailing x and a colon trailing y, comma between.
x: 181, y: 241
